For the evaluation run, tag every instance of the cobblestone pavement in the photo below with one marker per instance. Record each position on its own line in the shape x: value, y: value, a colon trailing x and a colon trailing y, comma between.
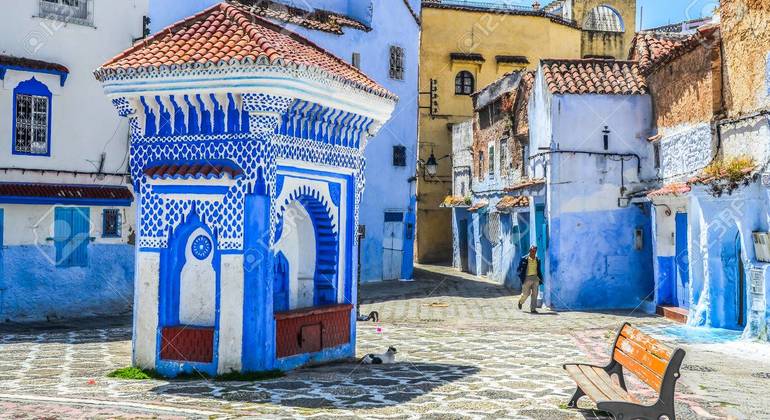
x: 464, y: 352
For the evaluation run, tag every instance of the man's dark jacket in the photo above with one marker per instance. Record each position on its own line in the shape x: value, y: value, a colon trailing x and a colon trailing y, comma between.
x: 522, y: 270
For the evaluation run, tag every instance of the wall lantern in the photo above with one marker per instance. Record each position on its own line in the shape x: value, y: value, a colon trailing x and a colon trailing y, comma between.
x: 430, y: 166
x: 606, y: 137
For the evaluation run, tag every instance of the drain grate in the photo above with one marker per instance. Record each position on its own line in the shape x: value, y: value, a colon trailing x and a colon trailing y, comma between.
x: 761, y: 375
x: 698, y: 368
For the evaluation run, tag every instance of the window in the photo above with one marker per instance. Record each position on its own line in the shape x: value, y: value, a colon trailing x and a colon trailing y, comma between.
x: 111, y: 223
x: 71, y: 236
x: 396, y: 63
x: 74, y: 11
x: 31, y: 116
x: 525, y: 160
x: 399, y: 156
x: 355, y: 61
x: 394, y: 217
x: 505, y: 163
x: 656, y: 153
x: 490, y: 114
x: 481, y: 165
x: 491, y: 163
x: 464, y: 83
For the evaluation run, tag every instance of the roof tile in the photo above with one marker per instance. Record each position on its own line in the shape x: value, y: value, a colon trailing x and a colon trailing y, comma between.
x: 593, y: 76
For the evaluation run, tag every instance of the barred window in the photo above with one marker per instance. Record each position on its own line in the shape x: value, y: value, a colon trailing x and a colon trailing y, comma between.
x: 31, y: 125
x: 399, y: 156
x: 111, y: 223
x: 396, y: 63
x: 464, y: 83
x: 75, y: 11
x: 491, y: 167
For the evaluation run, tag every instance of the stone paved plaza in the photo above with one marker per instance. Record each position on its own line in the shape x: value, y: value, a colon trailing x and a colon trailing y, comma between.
x: 464, y: 352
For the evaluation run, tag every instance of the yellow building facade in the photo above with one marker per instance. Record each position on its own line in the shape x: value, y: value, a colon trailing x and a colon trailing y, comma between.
x: 466, y: 46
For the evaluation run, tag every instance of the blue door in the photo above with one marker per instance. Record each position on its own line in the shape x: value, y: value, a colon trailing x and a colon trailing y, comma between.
x: 540, y: 232
x: 71, y: 236
x: 682, y: 261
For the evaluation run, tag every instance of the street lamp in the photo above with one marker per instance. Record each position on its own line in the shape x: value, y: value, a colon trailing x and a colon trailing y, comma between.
x: 431, y: 166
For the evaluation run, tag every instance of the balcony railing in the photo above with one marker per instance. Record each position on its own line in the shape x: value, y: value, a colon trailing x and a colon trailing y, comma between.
x: 503, y: 6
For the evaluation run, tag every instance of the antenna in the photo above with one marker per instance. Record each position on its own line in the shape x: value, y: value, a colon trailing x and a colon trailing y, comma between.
x: 641, y: 19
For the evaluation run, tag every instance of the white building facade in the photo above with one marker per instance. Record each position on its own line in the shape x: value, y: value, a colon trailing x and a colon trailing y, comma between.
x: 66, y: 214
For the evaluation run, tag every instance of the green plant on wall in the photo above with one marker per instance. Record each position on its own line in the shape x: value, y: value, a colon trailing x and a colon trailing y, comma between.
x: 727, y: 175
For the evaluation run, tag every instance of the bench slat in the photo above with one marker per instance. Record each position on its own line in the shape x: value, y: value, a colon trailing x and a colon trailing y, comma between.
x: 641, y: 372
x: 648, y: 343
x: 603, y: 381
x: 597, y: 384
x: 641, y: 355
x: 591, y: 390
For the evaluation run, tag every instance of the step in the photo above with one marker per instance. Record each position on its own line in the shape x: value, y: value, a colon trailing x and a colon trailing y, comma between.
x: 674, y: 313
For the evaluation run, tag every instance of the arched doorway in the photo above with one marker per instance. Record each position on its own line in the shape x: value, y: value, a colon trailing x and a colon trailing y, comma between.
x: 308, y: 255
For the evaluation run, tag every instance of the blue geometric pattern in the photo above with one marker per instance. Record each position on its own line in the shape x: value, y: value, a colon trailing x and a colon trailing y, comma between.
x: 201, y: 247
x: 255, y: 151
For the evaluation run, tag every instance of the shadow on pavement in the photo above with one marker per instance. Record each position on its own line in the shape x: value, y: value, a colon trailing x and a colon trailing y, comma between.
x: 90, y: 330
x: 336, y: 386
x: 430, y: 283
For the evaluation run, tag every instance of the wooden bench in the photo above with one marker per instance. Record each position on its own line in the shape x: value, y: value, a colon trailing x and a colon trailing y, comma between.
x: 646, y: 358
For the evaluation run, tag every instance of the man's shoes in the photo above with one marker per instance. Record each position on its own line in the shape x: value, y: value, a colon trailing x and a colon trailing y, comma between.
x: 519, y: 305
x: 534, y: 312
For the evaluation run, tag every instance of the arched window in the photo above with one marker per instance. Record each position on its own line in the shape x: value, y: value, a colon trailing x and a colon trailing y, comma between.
x: 464, y: 83
x: 605, y: 19
x: 32, y: 119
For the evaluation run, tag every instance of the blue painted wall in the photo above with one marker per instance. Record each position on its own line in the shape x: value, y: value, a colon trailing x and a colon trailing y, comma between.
x: 603, y: 270
x: 387, y: 187
x: 40, y: 290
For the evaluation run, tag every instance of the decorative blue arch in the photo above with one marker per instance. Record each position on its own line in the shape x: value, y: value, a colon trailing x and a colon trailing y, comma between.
x: 32, y: 87
x: 327, y: 243
x: 173, y: 259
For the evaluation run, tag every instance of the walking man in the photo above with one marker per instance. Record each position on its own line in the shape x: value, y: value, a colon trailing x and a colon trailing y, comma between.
x: 531, y: 275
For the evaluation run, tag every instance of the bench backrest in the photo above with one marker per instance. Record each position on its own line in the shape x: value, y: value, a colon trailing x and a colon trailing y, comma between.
x: 643, y: 356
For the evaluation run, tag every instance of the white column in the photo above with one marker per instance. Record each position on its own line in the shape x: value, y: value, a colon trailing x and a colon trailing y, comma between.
x: 146, y: 309
x: 230, y: 314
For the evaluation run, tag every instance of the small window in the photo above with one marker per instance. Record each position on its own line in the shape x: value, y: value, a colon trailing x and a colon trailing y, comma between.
x: 525, y: 160
x: 481, y: 165
x: 491, y: 163
x: 355, y: 61
x: 464, y: 83
x: 396, y: 63
x: 656, y: 153
x: 399, y: 156
x: 504, y: 161
x: 484, y: 121
x: 75, y: 11
x: 111, y: 223
x: 32, y: 112
x: 394, y: 217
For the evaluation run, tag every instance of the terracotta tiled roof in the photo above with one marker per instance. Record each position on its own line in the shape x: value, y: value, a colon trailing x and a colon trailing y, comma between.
x: 603, y: 77
x: 230, y: 34
x: 525, y: 184
x: 654, y: 49
x: 510, y: 202
x: 454, y: 201
x: 194, y: 170
x: 478, y: 206
x: 675, y: 189
x: 11, y: 61
x: 65, y: 191
x: 318, y: 19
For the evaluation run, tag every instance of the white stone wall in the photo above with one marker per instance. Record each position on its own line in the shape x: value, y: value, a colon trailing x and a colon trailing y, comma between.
x: 462, y: 158
x: 750, y: 137
x: 685, y: 150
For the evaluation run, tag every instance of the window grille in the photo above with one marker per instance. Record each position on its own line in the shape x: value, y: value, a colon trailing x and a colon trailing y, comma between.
x: 492, y: 229
x: 396, y: 63
x: 464, y: 83
x: 399, y: 156
x: 111, y: 223
x: 74, y: 11
x: 504, y: 161
x: 31, y: 124
x: 481, y: 165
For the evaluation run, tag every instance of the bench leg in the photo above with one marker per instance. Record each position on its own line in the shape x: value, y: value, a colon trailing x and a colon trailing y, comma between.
x: 629, y: 411
x: 573, y: 403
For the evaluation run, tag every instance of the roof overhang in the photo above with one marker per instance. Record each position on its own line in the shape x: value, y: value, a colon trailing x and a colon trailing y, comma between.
x: 48, y: 194
x: 309, y: 84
